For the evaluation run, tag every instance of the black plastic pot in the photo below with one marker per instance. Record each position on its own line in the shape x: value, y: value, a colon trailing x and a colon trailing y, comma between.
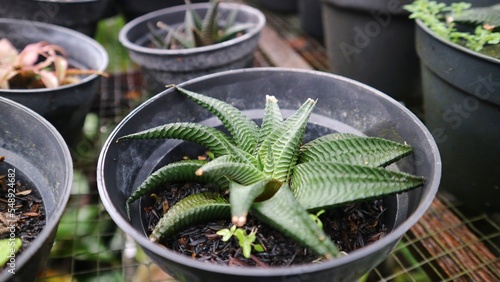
x: 373, y: 42
x: 310, y: 14
x: 132, y: 9
x: 80, y: 15
x: 164, y: 66
x: 462, y: 109
x: 344, y: 105
x: 280, y: 6
x: 66, y: 106
x: 33, y: 147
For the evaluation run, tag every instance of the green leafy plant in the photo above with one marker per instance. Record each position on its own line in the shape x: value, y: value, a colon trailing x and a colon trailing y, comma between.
x: 197, y: 31
x: 246, y: 241
x: 269, y: 172
x: 38, y: 65
x: 442, y: 19
x: 7, y: 248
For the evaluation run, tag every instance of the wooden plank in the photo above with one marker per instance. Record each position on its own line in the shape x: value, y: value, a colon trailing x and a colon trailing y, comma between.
x: 279, y: 52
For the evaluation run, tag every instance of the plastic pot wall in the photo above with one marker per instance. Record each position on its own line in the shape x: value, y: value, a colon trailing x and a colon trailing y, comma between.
x: 462, y: 109
x: 164, y: 66
x: 373, y: 42
x: 344, y: 105
x: 34, y: 147
x: 280, y: 6
x: 79, y: 15
x: 66, y: 106
x: 132, y: 9
x: 310, y: 13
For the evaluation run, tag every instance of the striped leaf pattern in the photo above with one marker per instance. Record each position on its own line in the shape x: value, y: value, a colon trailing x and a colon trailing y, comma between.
x: 325, y: 184
x: 227, y: 166
x: 217, y: 142
x: 284, y: 213
x: 183, y: 171
x: 244, y: 130
x: 369, y: 151
x: 193, y: 209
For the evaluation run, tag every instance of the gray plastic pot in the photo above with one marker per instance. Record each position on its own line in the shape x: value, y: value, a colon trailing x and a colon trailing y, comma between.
x: 66, y: 106
x: 34, y: 148
x: 164, y: 66
x: 80, y: 15
x: 373, y: 42
x: 310, y: 15
x: 462, y: 109
x: 280, y: 6
x: 344, y: 105
x: 132, y: 9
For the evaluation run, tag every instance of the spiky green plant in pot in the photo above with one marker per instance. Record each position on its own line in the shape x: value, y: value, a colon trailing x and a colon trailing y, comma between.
x: 197, y: 31
x: 269, y: 172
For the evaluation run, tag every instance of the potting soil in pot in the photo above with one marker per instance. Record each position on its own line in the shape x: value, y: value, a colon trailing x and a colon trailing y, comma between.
x: 351, y: 227
x: 22, y: 213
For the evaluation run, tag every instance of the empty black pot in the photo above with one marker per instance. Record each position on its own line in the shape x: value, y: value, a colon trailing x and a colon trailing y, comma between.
x: 344, y: 105
x: 34, y: 148
x: 373, y: 42
x: 65, y: 106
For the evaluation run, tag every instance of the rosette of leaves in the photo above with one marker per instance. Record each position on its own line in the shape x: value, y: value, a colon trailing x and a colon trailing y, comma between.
x: 38, y: 65
x: 197, y: 31
x: 442, y: 19
x: 269, y: 172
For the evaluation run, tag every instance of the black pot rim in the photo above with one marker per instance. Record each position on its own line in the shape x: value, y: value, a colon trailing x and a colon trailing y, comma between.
x: 79, y: 37
x: 454, y: 45
x: 123, y: 35
x: 395, y: 234
x: 53, y: 222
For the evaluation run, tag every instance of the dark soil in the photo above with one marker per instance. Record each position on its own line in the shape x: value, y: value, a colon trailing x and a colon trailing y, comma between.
x: 350, y: 227
x: 29, y: 215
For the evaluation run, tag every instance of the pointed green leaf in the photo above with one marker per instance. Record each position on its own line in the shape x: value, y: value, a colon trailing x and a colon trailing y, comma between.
x: 324, y: 184
x: 193, y: 209
x: 234, y: 31
x: 228, y: 166
x: 181, y: 38
x: 290, y: 122
x: 198, y: 22
x: 286, y: 148
x: 272, y: 118
x: 244, y: 131
x: 183, y: 171
x: 284, y: 213
x: 189, y: 25
x: 217, y: 142
x: 209, y: 27
x: 241, y: 198
x: 369, y: 151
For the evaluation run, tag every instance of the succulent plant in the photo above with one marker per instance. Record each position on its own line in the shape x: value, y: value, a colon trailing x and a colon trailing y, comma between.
x: 38, y: 65
x: 269, y: 172
x: 195, y: 31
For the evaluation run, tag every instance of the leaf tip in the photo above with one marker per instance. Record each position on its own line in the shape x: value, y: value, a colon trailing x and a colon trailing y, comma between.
x: 271, y: 98
x: 199, y: 172
x: 239, y: 220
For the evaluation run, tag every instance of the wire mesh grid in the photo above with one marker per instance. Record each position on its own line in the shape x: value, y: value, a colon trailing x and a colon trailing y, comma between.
x: 450, y: 243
